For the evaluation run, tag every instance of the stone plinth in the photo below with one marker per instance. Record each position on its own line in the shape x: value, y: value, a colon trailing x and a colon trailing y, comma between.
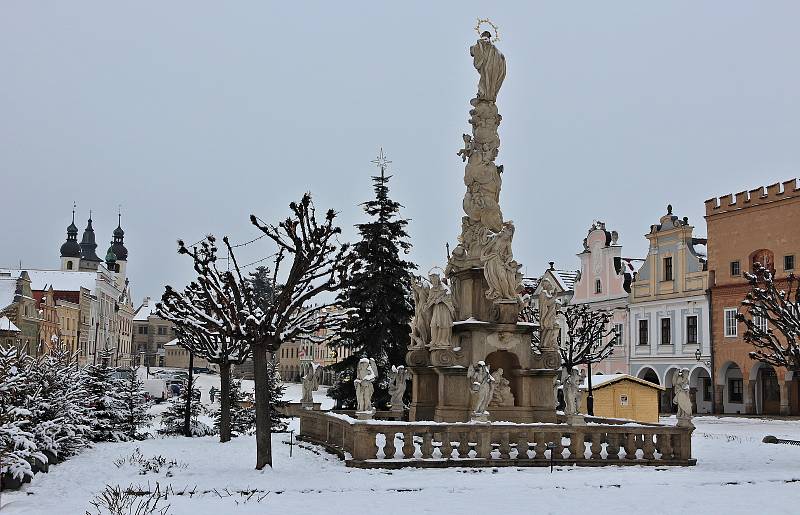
x: 365, y: 415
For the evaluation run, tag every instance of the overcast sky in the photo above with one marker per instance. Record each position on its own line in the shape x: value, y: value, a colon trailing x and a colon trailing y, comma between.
x: 192, y: 115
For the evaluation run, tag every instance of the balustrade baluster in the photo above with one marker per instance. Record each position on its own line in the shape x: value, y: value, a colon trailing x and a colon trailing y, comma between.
x: 408, y: 444
x: 505, y: 447
x: 576, y: 447
x: 630, y: 446
x: 463, y: 444
x: 540, y: 442
x: 389, y: 448
x: 427, y: 445
x: 612, y: 447
x: 522, y: 446
x: 597, y: 446
x: 558, y: 451
x: 648, y: 448
x: 484, y: 448
x: 665, y: 446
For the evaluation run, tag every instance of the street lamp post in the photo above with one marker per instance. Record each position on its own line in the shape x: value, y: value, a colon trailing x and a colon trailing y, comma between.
x: 590, y: 396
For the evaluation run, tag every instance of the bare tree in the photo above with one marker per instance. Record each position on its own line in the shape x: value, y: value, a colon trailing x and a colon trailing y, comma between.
x: 310, y: 261
x: 772, y: 318
x: 201, y: 327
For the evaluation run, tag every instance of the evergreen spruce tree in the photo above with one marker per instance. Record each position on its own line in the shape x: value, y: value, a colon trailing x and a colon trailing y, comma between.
x: 262, y: 283
x: 377, y: 296
x: 18, y: 447
x: 172, y: 420
x: 276, y: 389
x: 134, y: 407
x: 243, y: 413
x: 105, y: 413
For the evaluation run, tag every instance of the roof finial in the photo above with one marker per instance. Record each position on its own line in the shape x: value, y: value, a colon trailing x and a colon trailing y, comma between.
x: 552, y: 265
x: 669, y: 209
x: 74, y: 205
x: 119, y: 215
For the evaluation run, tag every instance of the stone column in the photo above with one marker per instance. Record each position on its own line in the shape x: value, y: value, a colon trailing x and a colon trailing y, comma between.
x: 719, y: 396
x: 784, y: 389
x: 749, y: 396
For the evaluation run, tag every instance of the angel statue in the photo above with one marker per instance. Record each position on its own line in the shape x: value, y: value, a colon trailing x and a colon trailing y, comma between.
x: 502, y: 395
x: 571, y: 389
x: 680, y: 385
x: 310, y: 379
x: 421, y: 323
x: 397, y: 385
x: 501, y: 271
x: 366, y: 374
x: 443, y: 312
x: 482, y: 384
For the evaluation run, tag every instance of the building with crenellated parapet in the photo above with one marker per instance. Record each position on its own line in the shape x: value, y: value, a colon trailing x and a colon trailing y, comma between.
x: 759, y: 225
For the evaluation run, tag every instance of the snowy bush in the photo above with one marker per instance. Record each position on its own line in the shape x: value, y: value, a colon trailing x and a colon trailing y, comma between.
x: 115, y: 500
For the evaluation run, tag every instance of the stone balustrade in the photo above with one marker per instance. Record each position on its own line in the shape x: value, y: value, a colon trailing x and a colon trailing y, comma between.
x: 388, y: 444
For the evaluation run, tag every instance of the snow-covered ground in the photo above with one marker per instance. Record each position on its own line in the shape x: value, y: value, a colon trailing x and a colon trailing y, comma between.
x: 736, y: 473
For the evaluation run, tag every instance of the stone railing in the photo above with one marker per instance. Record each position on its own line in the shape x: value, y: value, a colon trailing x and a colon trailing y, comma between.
x: 388, y: 444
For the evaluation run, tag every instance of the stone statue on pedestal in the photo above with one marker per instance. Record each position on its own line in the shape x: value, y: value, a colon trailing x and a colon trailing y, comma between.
x: 501, y: 271
x: 310, y: 381
x: 502, y: 395
x: 682, y: 389
x: 443, y: 312
x: 366, y: 374
x: 571, y: 388
x: 397, y: 386
x: 491, y: 66
x: 482, y: 385
x: 548, y: 311
x: 421, y: 323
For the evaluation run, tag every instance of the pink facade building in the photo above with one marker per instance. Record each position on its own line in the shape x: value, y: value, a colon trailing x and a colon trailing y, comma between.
x: 604, y: 283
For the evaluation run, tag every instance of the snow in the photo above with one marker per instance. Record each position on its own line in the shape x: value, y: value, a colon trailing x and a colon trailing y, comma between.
x: 60, y: 281
x: 8, y: 325
x: 8, y: 288
x: 735, y: 474
x: 602, y: 379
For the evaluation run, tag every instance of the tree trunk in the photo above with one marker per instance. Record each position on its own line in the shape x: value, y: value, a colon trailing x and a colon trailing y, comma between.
x: 187, y: 421
x: 263, y: 415
x: 225, y: 402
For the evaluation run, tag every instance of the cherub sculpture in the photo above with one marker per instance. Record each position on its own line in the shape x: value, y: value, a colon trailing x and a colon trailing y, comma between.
x: 310, y: 379
x: 482, y: 384
x: 397, y: 385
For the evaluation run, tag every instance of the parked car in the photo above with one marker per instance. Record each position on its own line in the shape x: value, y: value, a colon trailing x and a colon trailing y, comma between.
x: 156, y: 389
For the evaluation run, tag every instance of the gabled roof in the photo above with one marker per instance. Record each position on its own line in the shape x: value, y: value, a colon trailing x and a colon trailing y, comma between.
x: 147, y: 309
x: 8, y: 289
x: 59, y: 280
x: 8, y: 325
x: 599, y: 381
x: 566, y: 278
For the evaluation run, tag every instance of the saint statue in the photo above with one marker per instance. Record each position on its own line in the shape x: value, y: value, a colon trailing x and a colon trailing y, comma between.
x: 397, y: 385
x: 421, y: 323
x: 571, y: 389
x: 482, y: 384
x: 548, y: 310
x: 443, y: 312
x: 310, y: 381
x: 680, y: 385
x: 491, y: 66
x: 366, y: 374
x: 501, y: 271
x: 502, y: 395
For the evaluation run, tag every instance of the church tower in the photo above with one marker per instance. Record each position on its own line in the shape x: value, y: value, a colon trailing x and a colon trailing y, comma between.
x: 89, y: 259
x: 118, y: 253
x: 71, y: 250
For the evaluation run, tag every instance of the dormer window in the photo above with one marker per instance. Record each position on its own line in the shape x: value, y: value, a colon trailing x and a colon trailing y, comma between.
x: 598, y: 287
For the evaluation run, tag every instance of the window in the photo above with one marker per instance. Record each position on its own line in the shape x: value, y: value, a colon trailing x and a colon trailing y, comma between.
x: 735, y: 268
x: 666, y: 331
x: 162, y: 330
x: 691, y: 329
x: 735, y: 390
x: 618, y: 327
x: 142, y: 329
x: 788, y: 262
x: 760, y: 322
x: 598, y: 287
x: 69, y: 265
x: 730, y: 322
x: 667, y: 268
x: 643, y: 332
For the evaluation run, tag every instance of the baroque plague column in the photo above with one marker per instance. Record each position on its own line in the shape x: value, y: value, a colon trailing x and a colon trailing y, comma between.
x: 486, y: 292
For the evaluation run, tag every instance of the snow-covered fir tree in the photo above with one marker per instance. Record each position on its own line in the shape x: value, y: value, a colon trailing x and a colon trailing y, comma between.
x: 105, y: 410
x: 173, y: 419
x: 243, y: 412
x: 262, y: 283
x: 57, y: 412
x: 377, y: 296
x: 17, y: 443
x: 134, y: 407
x: 276, y: 389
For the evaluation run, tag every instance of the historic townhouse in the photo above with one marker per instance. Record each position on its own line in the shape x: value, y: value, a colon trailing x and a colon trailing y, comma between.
x: 760, y: 225
x: 604, y: 283
x: 668, y: 319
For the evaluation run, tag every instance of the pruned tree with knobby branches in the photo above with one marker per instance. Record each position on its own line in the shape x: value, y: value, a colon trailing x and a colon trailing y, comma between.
x: 586, y: 339
x: 201, y: 326
x: 309, y: 262
x: 772, y: 318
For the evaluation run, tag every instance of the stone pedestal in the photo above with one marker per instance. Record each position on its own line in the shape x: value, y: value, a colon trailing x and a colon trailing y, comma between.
x: 482, y: 418
x: 307, y: 405
x: 365, y: 415
x: 685, y: 422
x: 424, y: 390
x: 576, y: 420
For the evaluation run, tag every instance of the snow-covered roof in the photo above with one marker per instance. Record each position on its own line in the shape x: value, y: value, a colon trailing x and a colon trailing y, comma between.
x: 8, y: 288
x: 601, y: 380
x: 8, y: 325
x: 171, y: 343
x: 147, y: 308
x: 59, y: 280
x: 566, y: 278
